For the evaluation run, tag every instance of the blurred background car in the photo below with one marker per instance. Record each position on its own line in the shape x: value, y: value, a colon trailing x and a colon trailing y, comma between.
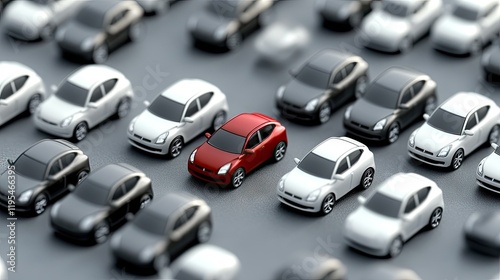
x: 305, y: 266
x: 347, y: 13
x: 481, y: 231
x: 490, y: 61
x: 155, y: 6
x: 280, y: 41
x: 390, y: 272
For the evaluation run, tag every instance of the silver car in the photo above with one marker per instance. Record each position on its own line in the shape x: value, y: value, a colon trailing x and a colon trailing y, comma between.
x: 402, y: 205
x: 470, y: 25
x: 83, y: 100
x: 37, y: 19
x: 487, y: 174
x: 457, y: 127
x: 180, y: 113
x: 328, y: 172
x: 155, y: 6
x: 394, y: 25
x: 21, y: 89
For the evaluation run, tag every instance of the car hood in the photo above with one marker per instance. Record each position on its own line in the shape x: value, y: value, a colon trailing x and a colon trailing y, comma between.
x: 433, y: 140
x: 386, y: 26
x: 300, y: 183
x: 22, y: 183
x: 150, y: 126
x: 453, y: 29
x: 299, y: 94
x: 490, y: 167
x: 75, y: 33
x: 208, y: 23
x: 27, y: 12
x: 213, y: 158
x: 74, y: 209
x: 367, y: 113
x: 365, y: 223
x: 135, y: 240
x: 55, y: 110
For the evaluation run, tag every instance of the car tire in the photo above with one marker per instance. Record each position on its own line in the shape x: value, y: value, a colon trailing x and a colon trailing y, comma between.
x: 100, y: 54
x: 457, y: 159
x: 324, y: 112
x: 393, y: 133
x: 82, y: 175
x: 40, y: 203
x: 430, y: 105
x: 219, y: 120
x: 101, y: 232
x: 406, y: 45
x: 360, y: 87
x: 238, y: 177
x: 123, y: 108
x: 34, y: 102
x: 435, y: 219
x: 395, y: 247
x: 204, y: 232
x: 279, y: 151
x: 175, y: 148
x: 367, y: 178
x: 327, y: 204
x: 134, y: 31
x: 145, y: 200
x: 494, y: 135
x: 233, y: 41
x: 160, y: 262
x: 81, y: 131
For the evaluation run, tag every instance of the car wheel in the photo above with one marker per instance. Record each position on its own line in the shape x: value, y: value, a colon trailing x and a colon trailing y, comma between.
x: 162, y: 7
x: 80, y: 132
x: 100, y: 54
x: 134, y: 31
x: 82, y: 175
x: 175, y: 148
x: 279, y: 151
x: 233, y: 41
x: 238, y: 177
x: 160, y: 262
x: 101, y: 232
x: 457, y: 159
x: 47, y: 32
x: 393, y: 133
x: 35, y: 100
x: 435, y: 218
x: 145, y: 201
x: 204, y: 232
x: 40, y: 203
x: 396, y: 247
x: 355, y: 20
x: 475, y: 48
x: 324, y: 112
x: 494, y: 136
x: 327, y: 204
x: 405, y: 45
x: 430, y: 105
x: 123, y: 108
x: 367, y: 178
x: 219, y: 120
x: 361, y: 84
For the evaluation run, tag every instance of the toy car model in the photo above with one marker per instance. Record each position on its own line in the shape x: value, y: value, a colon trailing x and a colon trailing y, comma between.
x: 343, y: 12
x: 389, y: 272
x: 396, y: 25
x: 325, y: 268
x: 325, y: 82
x: 225, y: 22
x: 328, y: 172
x: 481, y: 232
x: 488, y: 171
x: 87, y: 97
x: 162, y: 231
x: 490, y: 62
x: 183, y: 111
x: 203, y: 262
x: 471, y: 25
x: 457, y: 127
x: 3, y: 270
x: 155, y: 6
x: 400, y: 207
x: 44, y: 172
x: 21, y: 90
x: 99, y: 28
x: 280, y: 41
x: 30, y: 20
x: 101, y: 203
x: 3, y: 3
x: 242, y: 144
x: 393, y: 101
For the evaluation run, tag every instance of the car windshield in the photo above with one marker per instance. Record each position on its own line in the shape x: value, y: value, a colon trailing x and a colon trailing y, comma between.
x: 395, y: 8
x: 384, y: 205
x: 224, y: 8
x: 151, y: 222
x: 466, y: 13
x: 30, y: 167
x: 91, y: 16
x: 382, y: 96
x: 318, y: 166
x: 167, y: 109
x: 446, y: 122
x: 227, y: 141
x: 92, y: 192
x: 313, y: 77
x: 72, y: 93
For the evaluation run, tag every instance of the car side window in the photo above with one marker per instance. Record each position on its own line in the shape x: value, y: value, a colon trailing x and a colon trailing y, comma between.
x: 343, y: 166
x: 130, y: 184
x: 205, y: 98
x: 266, y: 131
x: 7, y: 91
x: 96, y: 94
x: 422, y: 194
x: 109, y: 85
x: 481, y: 113
x: 340, y: 76
x: 119, y: 192
x: 349, y: 68
x: 253, y: 141
x: 192, y: 108
x: 410, y: 204
x: 119, y: 17
x: 472, y: 121
x: 55, y: 168
x: 19, y: 82
x: 67, y: 159
x: 354, y: 156
x: 190, y: 212
x: 180, y: 221
x: 417, y: 87
x: 407, y: 96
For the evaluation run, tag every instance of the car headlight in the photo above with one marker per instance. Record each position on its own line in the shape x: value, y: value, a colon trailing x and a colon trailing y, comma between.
x: 411, y: 140
x: 87, y: 223
x: 131, y: 125
x: 281, y: 184
x: 147, y: 254
x: 55, y: 210
x: 380, y: 124
x: 115, y: 241
x: 347, y: 114
x: 25, y: 196
x: 192, y: 23
x: 280, y: 92
x: 444, y: 151
x: 87, y: 44
x: 220, y: 32
x: 193, y: 154
x: 66, y: 121
x: 311, y: 105
x: 480, y: 168
x: 161, y: 139
x: 313, y: 196
x: 223, y: 170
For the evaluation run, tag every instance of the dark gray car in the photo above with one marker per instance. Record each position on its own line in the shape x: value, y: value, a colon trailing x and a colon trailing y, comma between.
x: 481, y: 232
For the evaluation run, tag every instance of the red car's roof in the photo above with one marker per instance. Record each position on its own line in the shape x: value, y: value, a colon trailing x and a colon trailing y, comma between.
x: 243, y: 124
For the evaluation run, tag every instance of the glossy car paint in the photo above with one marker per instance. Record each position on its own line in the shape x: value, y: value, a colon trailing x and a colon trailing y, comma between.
x: 488, y: 171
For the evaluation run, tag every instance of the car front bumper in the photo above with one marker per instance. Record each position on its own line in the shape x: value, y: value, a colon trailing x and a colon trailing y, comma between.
x: 17, y: 207
x: 364, y: 131
x: 299, y: 203
x: 429, y: 157
x: 367, y: 247
x: 53, y: 128
x: 295, y: 112
x: 148, y: 145
x: 208, y: 175
x: 71, y: 234
x: 488, y: 183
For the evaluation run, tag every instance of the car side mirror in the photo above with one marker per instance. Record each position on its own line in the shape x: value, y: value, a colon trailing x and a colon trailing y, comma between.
x: 92, y: 105
x: 494, y: 146
x: 3, y: 102
x: 53, y: 88
x: 207, y: 135
x: 146, y: 103
x: 426, y: 117
x: 404, y: 106
x: 248, y: 151
x: 188, y: 120
x: 468, y: 132
x: 361, y: 199
x: 338, y: 177
x: 297, y: 161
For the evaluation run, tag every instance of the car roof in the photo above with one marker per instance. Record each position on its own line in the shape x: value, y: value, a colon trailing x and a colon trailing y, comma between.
x: 244, y: 123
x: 87, y: 76
x: 110, y: 174
x: 169, y: 204
x: 327, y: 60
x: 396, y: 78
x: 401, y: 185
x: 476, y: 4
x: 45, y: 150
x: 183, y: 90
x: 333, y: 147
x: 206, y: 259
x: 462, y: 103
x: 11, y: 69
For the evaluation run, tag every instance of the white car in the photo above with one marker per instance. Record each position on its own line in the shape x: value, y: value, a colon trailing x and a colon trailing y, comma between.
x: 488, y: 170
x: 21, y: 90
x: 281, y: 40
x: 86, y: 98
x: 204, y: 262
x: 400, y: 207
x: 460, y: 125
x: 37, y: 19
x: 3, y: 270
x: 156, y: 6
x: 180, y: 113
x: 328, y: 172
x: 470, y: 25
x: 395, y: 25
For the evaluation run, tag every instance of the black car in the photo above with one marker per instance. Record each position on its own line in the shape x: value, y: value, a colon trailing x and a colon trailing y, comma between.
x: 490, y: 62
x: 482, y: 231
x: 45, y: 171
x: 348, y: 13
x: 163, y: 230
x: 104, y: 201
x: 395, y: 99
x: 100, y: 27
x: 324, y: 82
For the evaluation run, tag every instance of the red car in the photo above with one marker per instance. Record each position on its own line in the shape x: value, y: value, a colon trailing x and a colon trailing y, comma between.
x: 240, y: 145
